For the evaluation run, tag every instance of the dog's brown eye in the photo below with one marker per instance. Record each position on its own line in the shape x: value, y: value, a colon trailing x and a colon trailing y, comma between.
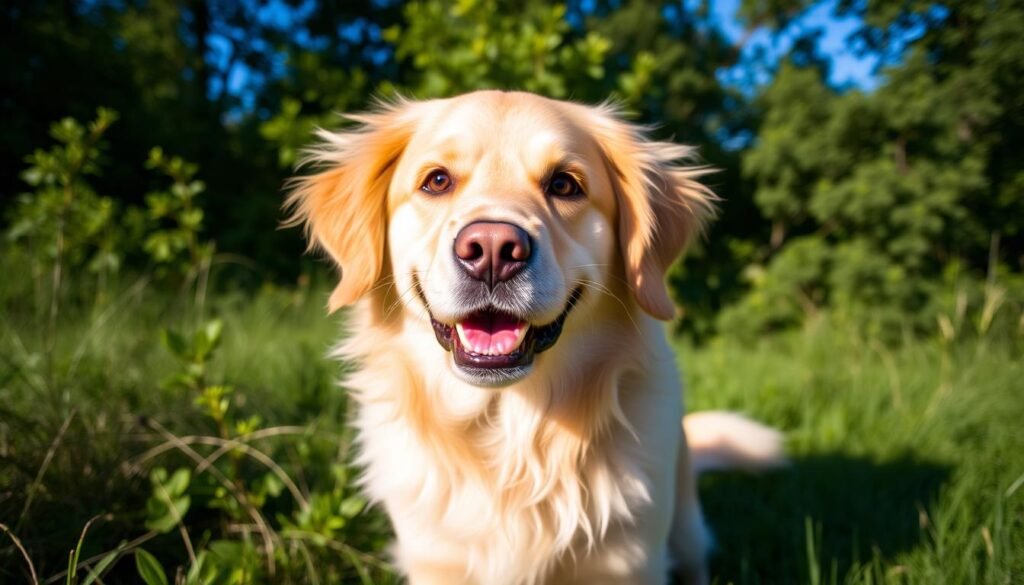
x: 437, y: 183
x: 563, y: 185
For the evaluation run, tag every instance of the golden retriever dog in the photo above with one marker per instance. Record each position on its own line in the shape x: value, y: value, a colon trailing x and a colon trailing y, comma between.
x: 518, y: 404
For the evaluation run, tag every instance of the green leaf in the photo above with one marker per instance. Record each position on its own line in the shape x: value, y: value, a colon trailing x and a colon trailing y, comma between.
x: 229, y: 551
x: 178, y: 482
x: 272, y: 485
x: 101, y: 567
x: 196, y: 571
x: 176, y: 343
x: 351, y: 506
x: 180, y: 380
x: 156, y: 157
x: 162, y: 516
x: 191, y: 219
x: 33, y: 176
x: 167, y: 506
x: 207, y: 338
x: 214, y: 401
x: 158, y: 475
x: 149, y: 568
x: 213, y: 330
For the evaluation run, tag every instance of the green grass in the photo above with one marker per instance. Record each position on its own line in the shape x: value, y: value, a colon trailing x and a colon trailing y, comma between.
x: 907, y: 461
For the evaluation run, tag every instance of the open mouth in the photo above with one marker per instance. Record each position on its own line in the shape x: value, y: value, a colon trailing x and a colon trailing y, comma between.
x: 498, y: 346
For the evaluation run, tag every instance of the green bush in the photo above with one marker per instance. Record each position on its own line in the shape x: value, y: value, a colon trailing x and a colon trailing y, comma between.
x: 873, y: 196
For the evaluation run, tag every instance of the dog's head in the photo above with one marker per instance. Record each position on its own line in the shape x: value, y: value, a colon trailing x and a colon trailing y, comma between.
x: 492, y: 217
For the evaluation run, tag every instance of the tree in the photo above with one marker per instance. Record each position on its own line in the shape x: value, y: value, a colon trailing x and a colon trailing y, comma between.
x: 872, y: 196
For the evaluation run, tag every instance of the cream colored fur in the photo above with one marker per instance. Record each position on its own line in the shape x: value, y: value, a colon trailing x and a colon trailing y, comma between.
x: 580, y: 472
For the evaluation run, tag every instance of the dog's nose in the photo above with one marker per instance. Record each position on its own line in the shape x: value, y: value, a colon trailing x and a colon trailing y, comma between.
x: 492, y: 252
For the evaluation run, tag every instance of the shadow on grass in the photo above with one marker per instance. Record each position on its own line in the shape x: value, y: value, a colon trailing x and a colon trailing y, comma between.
x: 856, y: 507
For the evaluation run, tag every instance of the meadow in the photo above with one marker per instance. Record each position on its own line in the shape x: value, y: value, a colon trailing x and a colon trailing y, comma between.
x: 168, y: 412
x: 171, y: 436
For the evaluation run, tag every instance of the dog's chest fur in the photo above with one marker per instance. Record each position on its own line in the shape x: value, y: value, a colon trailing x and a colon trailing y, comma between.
x: 531, y: 484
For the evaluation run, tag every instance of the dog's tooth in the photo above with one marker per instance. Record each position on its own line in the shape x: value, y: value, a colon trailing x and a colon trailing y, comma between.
x: 462, y: 337
x: 521, y: 336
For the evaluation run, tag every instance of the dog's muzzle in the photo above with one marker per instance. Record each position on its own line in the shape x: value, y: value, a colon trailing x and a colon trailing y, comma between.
x: 491, y: 347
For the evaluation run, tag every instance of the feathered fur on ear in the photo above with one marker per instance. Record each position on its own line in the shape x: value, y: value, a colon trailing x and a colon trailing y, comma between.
x: 343, y: 206
x: 662, y: 206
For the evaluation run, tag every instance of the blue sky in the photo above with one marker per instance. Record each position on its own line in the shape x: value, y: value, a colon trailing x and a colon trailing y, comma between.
x: 848, y: 69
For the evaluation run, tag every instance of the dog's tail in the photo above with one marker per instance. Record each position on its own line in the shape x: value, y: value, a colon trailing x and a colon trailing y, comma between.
x: 721, y: 440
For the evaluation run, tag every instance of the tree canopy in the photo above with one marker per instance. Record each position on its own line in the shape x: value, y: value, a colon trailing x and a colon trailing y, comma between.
x: 882, y: 206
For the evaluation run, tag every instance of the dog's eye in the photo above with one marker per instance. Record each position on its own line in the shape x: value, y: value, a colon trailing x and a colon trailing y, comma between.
x: 437, y: 183
x: 563, y: 185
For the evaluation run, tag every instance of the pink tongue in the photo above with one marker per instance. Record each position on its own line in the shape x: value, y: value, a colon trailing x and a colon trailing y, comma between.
x: 491, y: 333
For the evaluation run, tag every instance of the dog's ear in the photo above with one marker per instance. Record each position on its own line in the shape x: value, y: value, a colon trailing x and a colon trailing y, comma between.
x: 343, y: 206
x: 662, y: 206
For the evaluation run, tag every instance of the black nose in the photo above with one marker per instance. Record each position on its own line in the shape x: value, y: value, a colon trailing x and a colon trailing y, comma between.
x: 492, y: 252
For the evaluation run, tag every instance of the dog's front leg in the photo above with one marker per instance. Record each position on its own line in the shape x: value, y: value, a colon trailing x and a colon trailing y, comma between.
x: 690, y: 540
x: 424, y: 557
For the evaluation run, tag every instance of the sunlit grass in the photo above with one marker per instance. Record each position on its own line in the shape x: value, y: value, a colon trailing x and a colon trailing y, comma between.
x: 908, y: 460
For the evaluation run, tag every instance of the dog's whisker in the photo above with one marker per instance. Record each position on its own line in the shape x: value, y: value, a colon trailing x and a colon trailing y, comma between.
x: 610, y: 275
x: 386, y: 281
x: 401, y: 296
x: 606, y: 291
x: 595, y: 265
x: 399, y: 301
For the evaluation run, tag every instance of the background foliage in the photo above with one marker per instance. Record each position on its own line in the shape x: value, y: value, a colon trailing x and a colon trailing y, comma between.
x: 162, y: 386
